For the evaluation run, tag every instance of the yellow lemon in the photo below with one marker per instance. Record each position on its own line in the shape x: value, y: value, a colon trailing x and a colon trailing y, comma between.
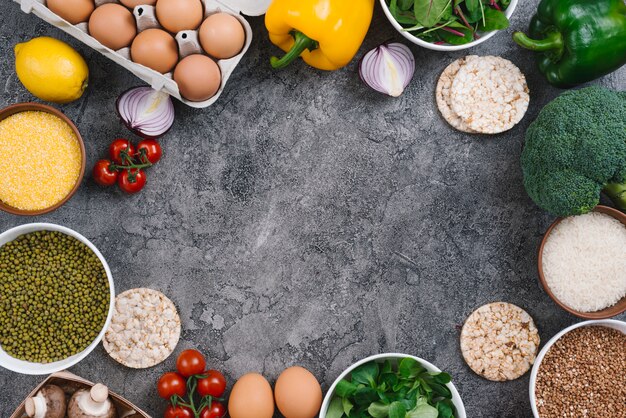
x: 51, y: 70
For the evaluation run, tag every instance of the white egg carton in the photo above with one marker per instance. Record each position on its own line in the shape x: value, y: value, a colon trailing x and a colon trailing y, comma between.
x: 157, y: 80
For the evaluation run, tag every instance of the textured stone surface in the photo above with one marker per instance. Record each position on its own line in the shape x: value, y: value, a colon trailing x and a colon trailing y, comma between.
x: 305, y: 219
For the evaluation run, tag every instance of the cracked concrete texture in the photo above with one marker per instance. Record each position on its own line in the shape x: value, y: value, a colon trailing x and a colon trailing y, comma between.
x: 305, y: 219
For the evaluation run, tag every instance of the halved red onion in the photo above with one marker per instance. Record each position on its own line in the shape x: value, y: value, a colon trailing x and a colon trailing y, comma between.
x: 388, y: 68
x: 146, y: 112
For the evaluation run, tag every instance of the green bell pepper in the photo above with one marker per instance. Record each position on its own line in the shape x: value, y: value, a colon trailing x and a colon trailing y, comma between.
x: 577, y: 40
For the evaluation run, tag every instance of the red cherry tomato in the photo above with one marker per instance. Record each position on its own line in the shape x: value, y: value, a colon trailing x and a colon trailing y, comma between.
x: 177, y: 412
x: 116, y: 148
x: 131, y: 180
x: 217, y: 410
x: 190, y: 362
x: 151, y: 149
x: 103, y: 175
x: 214, y: 384
x: 171, y: 384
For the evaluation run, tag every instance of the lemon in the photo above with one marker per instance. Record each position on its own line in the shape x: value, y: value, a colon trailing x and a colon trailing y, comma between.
x: 51, y: 70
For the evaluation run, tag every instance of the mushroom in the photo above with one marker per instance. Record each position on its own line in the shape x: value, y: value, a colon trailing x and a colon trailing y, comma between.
x: 94, y: 403
x: 49, y: 402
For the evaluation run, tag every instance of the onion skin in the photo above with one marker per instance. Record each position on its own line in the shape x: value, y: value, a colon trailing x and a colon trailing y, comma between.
x: 138, y: 131
x: 388, y: 68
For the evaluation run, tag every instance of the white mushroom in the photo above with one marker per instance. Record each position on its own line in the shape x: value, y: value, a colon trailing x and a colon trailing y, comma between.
x: 49, y: 402
x: 94, y: 403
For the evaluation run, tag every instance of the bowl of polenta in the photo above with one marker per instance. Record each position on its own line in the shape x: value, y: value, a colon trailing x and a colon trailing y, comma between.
x: 42, y: 159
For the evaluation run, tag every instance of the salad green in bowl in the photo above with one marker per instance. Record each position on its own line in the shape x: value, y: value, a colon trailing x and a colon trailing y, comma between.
x: 395, y: 386
x: 448, y: 25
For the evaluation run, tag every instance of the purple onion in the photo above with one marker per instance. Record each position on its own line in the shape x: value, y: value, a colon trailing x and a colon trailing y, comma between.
x: 388, y: 68
x: 146, y: 112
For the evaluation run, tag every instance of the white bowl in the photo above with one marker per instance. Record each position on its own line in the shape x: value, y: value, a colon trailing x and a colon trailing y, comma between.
x: 456, y: 398
x: 483, y: 37
x: 26, y: 367
x: 609, y: 323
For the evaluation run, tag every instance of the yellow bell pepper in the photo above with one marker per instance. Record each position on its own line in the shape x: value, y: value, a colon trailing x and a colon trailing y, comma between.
x: 326, y: 33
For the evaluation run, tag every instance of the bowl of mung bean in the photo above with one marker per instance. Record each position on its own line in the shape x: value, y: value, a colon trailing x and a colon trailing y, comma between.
x: 56, y: 298
x: 580, y: 372
x: 42, y: 159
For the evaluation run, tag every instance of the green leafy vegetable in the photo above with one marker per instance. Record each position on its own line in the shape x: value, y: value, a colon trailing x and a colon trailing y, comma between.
x: 429, y: 12
x: 494, y: 20
x: 382, y: 390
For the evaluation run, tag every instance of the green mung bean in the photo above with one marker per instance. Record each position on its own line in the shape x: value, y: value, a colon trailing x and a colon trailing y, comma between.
x: 54, y: 296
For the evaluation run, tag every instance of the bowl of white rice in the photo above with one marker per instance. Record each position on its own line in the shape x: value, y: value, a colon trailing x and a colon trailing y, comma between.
x: 582, y: 263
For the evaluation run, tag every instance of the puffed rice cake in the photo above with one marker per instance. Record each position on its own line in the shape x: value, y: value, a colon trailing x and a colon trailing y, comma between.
x: 144, y: 329
x: 442, y: 94
x: 499, y: 341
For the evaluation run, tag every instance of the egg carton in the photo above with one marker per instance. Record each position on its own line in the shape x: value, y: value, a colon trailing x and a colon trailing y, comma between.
x: 70, y: 383
x: 187, y: 41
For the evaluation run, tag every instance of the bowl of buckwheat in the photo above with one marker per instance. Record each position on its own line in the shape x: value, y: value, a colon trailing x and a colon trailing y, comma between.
x: 580, y: 372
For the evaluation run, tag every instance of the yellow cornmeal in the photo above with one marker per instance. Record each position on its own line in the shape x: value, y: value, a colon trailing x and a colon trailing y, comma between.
x: 40, y: 160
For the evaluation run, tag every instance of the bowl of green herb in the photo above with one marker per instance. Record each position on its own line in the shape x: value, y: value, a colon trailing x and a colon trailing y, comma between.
x: 56, y: 298
x: 393, y: 385
x: 448, y: 25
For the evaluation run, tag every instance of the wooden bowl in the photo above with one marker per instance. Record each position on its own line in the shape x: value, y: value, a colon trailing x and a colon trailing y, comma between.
x: 605, y: 313
x: 23, y: 107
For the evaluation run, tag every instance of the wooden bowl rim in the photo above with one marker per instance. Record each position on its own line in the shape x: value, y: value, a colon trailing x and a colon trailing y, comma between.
x: 31, y: 106
x: 605, y: 313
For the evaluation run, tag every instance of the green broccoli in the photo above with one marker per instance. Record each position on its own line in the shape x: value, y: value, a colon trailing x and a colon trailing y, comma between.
x: 576, y: 149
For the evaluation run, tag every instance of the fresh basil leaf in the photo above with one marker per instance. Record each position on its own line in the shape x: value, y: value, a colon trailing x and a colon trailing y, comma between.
x: 365, y: 396
x: 366, y: 374
x: 494, y: 20
x: 452, y: 39
x: 441, y: 377
x: 335, y: 409
x: 345, y: 388
x: 409, y: 368
x: 429, y: 12
x: 378, y: 410
x: 423, y: 411
x: 397, y: 410
x: 445, y: 410
x: 346, y: 405
x: 405, y: 4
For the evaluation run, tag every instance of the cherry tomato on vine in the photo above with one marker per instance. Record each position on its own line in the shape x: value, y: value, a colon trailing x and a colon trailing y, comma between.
x: 116, y: 148
x: 103, y: 175
x: 214, y: 384
x: 131, y: 180
x: 217, y: 410
x: 151, y: 149
x: 190, y: 362
x: 177, y: 412
x: 171, y: 384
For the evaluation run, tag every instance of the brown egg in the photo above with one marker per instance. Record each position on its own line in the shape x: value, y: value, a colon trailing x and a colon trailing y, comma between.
x: 198, y: 77
x: 74, y: 11
x: 155, y: 49
x: 177, y: 15
x: 222, y: 35
x: 132, y: 3
x: 113, y: 25
x: 298, y: 393
x: 251, y: 397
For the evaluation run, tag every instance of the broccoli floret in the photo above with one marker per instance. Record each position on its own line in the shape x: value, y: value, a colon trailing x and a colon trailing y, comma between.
x: 575, y: 149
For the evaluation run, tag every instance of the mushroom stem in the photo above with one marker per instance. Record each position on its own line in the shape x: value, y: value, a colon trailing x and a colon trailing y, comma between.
x: 36, y: 406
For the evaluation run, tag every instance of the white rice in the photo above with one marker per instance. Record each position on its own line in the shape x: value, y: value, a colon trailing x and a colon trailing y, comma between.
x: 584, y: 261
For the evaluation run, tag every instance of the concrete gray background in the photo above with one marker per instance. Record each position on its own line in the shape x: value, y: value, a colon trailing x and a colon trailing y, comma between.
x: 276, y: 217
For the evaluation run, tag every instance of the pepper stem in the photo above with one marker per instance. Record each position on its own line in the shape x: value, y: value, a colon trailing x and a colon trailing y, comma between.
x: 552, y: 42
x: 301, y: 42
x: 617, y: 193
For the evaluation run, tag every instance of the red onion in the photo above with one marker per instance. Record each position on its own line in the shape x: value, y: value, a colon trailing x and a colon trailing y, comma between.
x: 388, y: 68
x: 146, y: 112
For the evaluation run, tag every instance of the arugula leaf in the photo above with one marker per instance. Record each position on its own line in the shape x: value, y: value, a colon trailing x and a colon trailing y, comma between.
x: 346, y: 405
x: 345, y: 388
x: 397, y: 410
x: 494, y: 20
x: 423, y: 411
x: 335, y: 409
x: 366, y: 374
x: 429, y: 12
x: 378, y: 410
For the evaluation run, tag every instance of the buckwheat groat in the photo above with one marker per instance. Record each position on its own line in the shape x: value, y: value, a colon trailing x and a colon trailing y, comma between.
x: 144, y: 330
x: 499, y: 341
